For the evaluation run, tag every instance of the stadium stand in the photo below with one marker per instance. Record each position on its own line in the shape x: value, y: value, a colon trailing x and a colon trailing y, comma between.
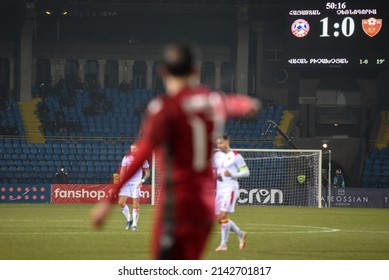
x: 86, y: 161
x: 376, y: 169
x: 110, y: 113
x: 90, y: 145
x: 285, y: 125
x: 11, y: 121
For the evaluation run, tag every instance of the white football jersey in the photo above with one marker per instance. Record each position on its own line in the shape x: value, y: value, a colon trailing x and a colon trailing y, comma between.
x: 232, y: 162
x: 127, y: 159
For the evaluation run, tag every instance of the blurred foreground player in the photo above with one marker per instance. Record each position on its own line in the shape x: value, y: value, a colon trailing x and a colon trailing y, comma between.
x: 182, y: 126
x: 131, y: 188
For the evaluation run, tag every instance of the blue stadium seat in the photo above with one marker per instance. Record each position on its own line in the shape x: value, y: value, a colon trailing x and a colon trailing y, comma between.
x: 123, y: 121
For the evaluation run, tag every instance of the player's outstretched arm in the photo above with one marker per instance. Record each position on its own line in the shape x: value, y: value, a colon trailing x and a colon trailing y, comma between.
x: 100, y: 213
x: 240, y: 105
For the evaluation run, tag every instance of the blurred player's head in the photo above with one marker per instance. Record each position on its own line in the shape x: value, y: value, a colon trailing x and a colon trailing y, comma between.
x: 179, y: 66
x: 179, y: 60
x: 223, y: 143
x: 338, y: 171
x: 134, y: 149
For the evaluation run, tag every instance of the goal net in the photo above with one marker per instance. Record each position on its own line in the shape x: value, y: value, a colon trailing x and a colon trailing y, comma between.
x: 277, y: 178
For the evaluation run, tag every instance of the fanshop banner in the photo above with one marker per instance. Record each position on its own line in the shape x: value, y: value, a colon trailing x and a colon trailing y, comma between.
x: 360, y: 197
x: 76, y: 193
x: 25, y: 193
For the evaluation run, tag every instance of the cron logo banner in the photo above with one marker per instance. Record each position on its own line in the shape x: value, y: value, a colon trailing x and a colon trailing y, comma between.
x: 260, y: 196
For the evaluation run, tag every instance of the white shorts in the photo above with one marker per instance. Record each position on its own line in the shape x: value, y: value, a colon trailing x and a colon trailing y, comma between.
x: 130, y: 189
x: 225, y: 201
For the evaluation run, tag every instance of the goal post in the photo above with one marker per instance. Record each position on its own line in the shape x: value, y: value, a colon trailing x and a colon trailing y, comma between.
x: 278, y: 177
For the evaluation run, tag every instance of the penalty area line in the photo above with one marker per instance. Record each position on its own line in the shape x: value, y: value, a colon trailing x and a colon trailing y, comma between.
x: 75, y: 233
x: 288, y: 229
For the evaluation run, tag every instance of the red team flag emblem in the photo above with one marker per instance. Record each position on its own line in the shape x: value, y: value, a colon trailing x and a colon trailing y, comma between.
x: 300, y: 28
x: 371, y: 26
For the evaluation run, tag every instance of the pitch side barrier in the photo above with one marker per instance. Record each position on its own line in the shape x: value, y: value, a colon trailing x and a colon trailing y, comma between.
x: 63, y: 193
x: 79, y: 193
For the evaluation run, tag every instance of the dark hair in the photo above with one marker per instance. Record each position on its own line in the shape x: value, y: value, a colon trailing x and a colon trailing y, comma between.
x: 224, y: 137
x: 179, y: 59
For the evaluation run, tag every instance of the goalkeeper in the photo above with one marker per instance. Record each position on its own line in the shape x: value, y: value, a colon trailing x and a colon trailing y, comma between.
x: 338, y: 181
x: 229, y: 166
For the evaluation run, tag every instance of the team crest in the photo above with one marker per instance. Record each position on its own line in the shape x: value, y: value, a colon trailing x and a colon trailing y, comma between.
x: 301, y: 178
x: 341, y: 192
x: 371, y: 26
x: 300, y: 28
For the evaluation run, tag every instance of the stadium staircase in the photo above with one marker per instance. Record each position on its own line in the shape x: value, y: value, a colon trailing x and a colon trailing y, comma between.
x: 383, y: 131
x: 375, y: 172
x: 285, y: 125
x: 31, y: 121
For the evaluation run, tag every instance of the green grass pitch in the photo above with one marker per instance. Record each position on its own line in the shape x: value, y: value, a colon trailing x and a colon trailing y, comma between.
x: 54, y: 231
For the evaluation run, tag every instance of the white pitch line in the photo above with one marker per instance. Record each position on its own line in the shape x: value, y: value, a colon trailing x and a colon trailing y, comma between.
x: 251, y: 228
x: 367, y: 231
x: 60, y: 221
x: 73, y: 233
x: 310, y: 229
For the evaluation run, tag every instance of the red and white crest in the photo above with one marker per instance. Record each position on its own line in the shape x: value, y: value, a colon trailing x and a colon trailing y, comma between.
x: 371, y: 26
x: 300, y: 28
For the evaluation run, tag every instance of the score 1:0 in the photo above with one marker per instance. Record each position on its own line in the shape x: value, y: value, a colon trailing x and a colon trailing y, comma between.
x: 347, y: 27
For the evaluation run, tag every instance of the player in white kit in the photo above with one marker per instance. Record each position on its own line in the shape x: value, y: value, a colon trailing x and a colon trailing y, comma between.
x: 229, y: 166
x: 131, y: 188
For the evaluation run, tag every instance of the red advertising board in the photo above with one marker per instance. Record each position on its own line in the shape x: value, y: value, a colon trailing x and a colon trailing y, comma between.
x: 76, y: 193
